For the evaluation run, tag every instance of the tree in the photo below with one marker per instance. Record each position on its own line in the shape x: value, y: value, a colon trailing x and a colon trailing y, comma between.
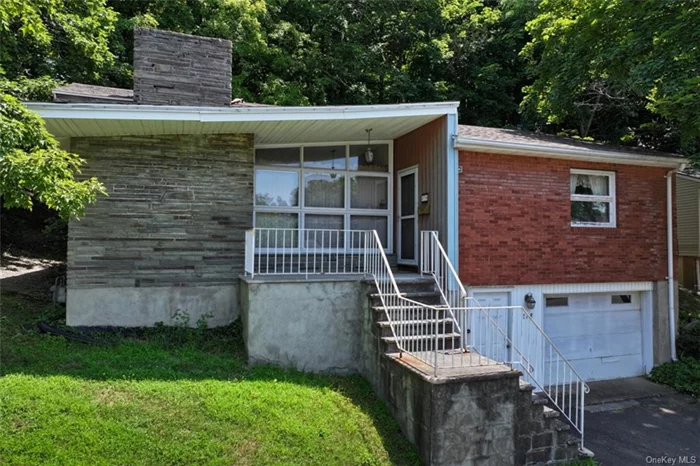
x: 63, y: 39
x: 42, y: 42
x: 32, y: 165
x: 617, y: 70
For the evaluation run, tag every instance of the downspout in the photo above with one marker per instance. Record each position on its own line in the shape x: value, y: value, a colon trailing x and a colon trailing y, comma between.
x: 671, y: 281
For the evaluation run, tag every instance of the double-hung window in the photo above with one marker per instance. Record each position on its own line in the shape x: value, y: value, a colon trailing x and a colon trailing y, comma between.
x: 324, y: 187
x: 592, y: 198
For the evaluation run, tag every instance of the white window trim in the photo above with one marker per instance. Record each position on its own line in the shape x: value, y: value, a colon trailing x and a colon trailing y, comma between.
x: 611, y: 198
x: 346, y: 211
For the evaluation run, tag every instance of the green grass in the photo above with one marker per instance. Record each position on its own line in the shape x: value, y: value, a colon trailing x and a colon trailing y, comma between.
x: 176, y: 396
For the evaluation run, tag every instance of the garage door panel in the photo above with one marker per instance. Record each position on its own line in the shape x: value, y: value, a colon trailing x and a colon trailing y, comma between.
x: 599, y: 301
x: 599, y: 333
x: 597, y: 346
x: 585, y: 323
x: 596, y: 369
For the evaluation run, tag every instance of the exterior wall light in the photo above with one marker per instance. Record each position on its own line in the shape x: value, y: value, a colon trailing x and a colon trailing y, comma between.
x: 530, y: 301
x: 369, y: 155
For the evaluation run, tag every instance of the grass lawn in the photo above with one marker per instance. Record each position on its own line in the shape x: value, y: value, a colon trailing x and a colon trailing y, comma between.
x: 175, y: 396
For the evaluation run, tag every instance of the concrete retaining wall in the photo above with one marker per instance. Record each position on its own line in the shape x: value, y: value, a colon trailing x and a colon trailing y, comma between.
x: 465, y: 421
x: 142, y: 307
x: 312, y: 325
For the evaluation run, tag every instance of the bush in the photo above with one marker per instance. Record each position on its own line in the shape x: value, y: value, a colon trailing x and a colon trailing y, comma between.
x: 689, y: 306
x: 682, y: 375
x: 688, y: 341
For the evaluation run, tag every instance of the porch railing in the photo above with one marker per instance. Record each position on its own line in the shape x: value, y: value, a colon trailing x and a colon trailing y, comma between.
x: 290, y: 251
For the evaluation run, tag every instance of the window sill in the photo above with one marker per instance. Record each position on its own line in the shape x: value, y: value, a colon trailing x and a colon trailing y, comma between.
x: 593, y: 225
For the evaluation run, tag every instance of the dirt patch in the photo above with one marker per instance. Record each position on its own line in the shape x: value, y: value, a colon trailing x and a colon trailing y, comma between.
x: 29, y: 276
x: 38, y: 233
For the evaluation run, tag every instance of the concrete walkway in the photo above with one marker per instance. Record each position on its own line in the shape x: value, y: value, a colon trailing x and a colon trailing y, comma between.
x: 636, y: 422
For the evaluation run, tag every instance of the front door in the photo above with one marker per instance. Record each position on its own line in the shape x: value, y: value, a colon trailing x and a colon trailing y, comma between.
x: 408, y: 218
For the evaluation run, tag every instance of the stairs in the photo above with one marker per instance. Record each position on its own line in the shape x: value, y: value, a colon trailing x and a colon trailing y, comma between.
x: 543, y: 438
x: 415, y: 327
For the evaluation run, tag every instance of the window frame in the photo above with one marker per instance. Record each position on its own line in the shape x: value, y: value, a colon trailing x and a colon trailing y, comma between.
x: 610, y: 199
x: 347, y: 211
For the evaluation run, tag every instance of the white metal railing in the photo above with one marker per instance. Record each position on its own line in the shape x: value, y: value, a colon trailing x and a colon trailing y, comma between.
x: 434, y: 261
x: 290, y: 251
x: 510, y: 336
x: 498, y: 335
x: 459, y: 332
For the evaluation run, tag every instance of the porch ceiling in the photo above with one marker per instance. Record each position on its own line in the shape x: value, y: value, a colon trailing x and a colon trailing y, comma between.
x: 271, y: 125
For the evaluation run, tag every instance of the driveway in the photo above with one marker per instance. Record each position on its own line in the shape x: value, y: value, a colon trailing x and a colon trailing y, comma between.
x: 636, y: 422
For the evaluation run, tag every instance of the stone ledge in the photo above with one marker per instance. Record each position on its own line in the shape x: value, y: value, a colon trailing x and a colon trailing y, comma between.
x: 299, y: 278
x: 455, y: 374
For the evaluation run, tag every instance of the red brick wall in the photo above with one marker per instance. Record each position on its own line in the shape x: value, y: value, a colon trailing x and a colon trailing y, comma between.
x: 515, y: 224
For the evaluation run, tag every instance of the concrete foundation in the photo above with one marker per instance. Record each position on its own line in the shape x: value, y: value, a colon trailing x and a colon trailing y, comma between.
x: 142, y: 307
x: 312, y: 325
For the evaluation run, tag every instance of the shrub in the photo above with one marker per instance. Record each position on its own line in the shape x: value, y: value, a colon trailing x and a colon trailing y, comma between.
x: 682, y: 375
x: 688, y: 341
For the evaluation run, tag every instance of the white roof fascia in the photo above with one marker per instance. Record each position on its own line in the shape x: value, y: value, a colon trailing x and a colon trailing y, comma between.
x: 233, y: 114
x: 589, y: 155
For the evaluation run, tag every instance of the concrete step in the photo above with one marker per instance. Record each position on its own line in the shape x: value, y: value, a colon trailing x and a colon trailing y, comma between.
x: 417, y: 327
x: 422, y: 342
x: 526, y: 386
x: 426, y: 297
x: 417, y: 322
x: 550, y: 413
x: 441, y: 336
x: 417, y: 285
x: 561, y: 426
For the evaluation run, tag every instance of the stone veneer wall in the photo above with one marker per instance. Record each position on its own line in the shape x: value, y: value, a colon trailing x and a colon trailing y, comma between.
x: 168, y: 237
x: 180, y: 69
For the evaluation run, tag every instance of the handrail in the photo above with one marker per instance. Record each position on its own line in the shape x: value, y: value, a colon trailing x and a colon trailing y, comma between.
x: 435, y: 262
x: 444, y: 259
x: 371, y: 267
x: 527, y: 314
x: 573, y: 408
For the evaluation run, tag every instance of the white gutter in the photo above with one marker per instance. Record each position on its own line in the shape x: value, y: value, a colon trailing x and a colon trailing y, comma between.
x: 222, y: 114
x: 671, y: 280
x: 572, y: 153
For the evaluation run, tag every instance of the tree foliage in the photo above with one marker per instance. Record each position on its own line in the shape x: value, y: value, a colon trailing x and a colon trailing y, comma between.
x: 613, y: 70
x: 618, y: 70
x: 34, y: 167
x: 306, y: 52
x: 41, y: 43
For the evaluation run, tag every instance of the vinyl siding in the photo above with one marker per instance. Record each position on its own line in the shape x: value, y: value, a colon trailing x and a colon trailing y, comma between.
x: 687, y: 211
x: 427, y: 148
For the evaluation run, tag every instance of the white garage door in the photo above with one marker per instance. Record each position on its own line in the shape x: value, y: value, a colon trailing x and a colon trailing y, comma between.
x: 600, y: 333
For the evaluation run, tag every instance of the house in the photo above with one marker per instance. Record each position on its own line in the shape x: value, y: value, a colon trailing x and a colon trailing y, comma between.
x: 441, y: 261
x: 688, y: 206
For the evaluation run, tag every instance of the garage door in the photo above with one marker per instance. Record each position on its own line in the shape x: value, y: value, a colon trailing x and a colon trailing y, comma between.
x: 600, y: 333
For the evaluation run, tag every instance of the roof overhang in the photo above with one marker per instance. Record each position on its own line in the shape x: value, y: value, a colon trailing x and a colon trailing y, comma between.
x: 583, y: 154
x: 271, y: 125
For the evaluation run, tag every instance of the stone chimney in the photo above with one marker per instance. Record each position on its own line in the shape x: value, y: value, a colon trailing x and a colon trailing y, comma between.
x: 179, y: 69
